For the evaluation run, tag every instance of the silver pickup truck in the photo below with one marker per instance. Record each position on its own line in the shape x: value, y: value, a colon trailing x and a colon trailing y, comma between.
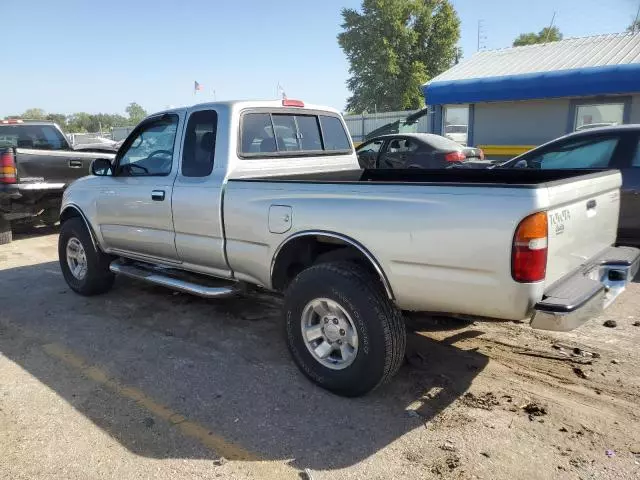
x: 218, y: 197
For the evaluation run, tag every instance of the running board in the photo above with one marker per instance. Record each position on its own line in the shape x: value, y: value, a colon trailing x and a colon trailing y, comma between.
x: 158, y: 277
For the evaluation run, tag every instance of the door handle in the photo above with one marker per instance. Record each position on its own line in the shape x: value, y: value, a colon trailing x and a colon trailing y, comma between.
x: 591, y: 204
x: 75, y: 163
x: 157, y: 195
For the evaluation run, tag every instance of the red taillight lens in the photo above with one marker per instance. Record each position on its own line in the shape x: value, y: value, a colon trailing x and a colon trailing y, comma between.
x: 529, y: 253
x: 7, y: 167
x: 455, y: 157
x: 292, y: 103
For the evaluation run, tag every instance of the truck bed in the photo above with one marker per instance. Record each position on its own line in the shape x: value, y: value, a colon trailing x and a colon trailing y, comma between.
x: 443, y: 237
x: 512, y: 178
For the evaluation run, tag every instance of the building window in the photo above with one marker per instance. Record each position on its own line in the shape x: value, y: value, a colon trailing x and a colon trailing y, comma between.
x: 598, y: 115
x: 455, y: 123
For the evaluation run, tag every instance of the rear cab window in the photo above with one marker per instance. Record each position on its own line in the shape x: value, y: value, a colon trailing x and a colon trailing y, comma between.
x: 292, y: 133
x: 39, y: 137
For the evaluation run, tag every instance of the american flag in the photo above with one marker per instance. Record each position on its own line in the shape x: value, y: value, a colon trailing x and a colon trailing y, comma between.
x: 196, y: 87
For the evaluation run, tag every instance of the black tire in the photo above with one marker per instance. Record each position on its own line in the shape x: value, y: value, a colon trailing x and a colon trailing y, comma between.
x: 379, y: 324
x: 5, y: 232
x: 98, y: 278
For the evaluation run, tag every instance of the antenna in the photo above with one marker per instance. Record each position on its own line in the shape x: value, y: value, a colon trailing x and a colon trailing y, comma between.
x: 550, y: 27
x: 481, y: 36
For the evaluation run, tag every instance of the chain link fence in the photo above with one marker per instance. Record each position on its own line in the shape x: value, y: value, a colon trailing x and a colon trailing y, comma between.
x: 361, y: 125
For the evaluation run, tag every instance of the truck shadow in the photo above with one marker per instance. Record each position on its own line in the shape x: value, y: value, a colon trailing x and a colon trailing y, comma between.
x: 222, y: 364
x: 22, y: 232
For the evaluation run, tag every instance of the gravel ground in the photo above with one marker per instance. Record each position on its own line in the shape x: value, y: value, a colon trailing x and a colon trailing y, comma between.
x: 146, y: 383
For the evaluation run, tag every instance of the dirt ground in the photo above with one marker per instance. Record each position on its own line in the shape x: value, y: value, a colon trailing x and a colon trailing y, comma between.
x: 146, y: 383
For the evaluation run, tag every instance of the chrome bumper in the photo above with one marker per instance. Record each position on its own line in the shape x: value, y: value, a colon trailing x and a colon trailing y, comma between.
x: 586, y: 293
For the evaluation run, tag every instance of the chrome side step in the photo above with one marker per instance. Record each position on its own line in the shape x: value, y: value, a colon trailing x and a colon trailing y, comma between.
x: 158, y: 277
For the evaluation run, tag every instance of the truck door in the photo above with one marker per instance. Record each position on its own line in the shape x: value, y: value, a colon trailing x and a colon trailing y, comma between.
x: 133, y: 209
x: 197, y: 195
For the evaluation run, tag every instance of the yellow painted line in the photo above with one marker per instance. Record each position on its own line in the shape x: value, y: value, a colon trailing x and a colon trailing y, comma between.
x: 227, y: 449
x: 270, y: 469
x: 505, y: 149
x: 258, y: 466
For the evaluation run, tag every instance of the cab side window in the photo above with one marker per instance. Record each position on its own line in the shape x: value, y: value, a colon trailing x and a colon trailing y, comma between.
x: 149, y: 149
x: 200, y: 144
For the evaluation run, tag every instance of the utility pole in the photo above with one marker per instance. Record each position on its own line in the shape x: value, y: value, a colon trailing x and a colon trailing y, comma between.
x: 481, y: 35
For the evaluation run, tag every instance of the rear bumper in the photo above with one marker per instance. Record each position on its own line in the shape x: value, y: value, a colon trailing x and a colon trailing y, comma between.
x: 587, y: 292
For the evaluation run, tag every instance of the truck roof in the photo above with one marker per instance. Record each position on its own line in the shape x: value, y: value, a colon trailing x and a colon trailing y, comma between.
x: 242, y: 104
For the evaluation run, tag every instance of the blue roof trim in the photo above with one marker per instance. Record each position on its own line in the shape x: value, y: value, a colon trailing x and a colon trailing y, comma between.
x: 579, y: 82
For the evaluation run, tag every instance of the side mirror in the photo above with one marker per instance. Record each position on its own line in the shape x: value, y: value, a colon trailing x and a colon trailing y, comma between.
x: 101, y: 167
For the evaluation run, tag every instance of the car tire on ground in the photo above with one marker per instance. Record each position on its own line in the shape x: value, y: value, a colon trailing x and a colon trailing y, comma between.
x: 342, y: 330
x: 85, y: 268
x: 5, y: 232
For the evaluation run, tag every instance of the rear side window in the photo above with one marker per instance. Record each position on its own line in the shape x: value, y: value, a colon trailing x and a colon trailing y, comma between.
x: 200, y: 144
x: 335, y: 138
x: 283, y: 133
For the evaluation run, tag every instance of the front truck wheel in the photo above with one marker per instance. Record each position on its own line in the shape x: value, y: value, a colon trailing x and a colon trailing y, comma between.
x: 84, y: 267
x: 5, y: 231
x: 342, y: 330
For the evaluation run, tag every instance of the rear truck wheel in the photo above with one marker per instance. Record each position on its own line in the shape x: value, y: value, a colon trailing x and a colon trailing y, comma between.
x: 342, y: 330
x: 85, y: 268
x: 5, y: 231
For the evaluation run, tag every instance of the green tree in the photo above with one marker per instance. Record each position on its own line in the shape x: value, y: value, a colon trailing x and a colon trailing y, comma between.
x: 136, y: 113
x: 547, y: 34
x: 393, y: 48
x: 634, y: 27
x: 58, y: 118
x: 34, y: 114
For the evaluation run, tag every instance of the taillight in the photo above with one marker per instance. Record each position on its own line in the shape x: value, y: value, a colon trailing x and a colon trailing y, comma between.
x: 529, y: 253
x: 7, y: 167
x: 455, y: 157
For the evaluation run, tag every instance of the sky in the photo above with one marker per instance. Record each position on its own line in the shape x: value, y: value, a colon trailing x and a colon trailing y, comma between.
x: 67, y: 56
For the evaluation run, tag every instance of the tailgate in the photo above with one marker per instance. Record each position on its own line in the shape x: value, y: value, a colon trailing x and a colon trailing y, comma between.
x: 583, y: 220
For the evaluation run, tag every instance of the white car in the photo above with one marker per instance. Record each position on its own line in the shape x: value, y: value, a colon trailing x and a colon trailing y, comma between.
x: 457, y: 133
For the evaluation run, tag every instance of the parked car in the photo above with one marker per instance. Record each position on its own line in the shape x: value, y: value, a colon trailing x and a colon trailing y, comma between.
x: 211, y: 199
x: 36, y: 164
x: 457, y: 133
x: 414, y: 150
x: 608, y: 147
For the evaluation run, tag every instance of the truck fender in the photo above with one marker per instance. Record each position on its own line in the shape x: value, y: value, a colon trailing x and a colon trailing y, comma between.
x: 72, y: 210
x: 344, y: 239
